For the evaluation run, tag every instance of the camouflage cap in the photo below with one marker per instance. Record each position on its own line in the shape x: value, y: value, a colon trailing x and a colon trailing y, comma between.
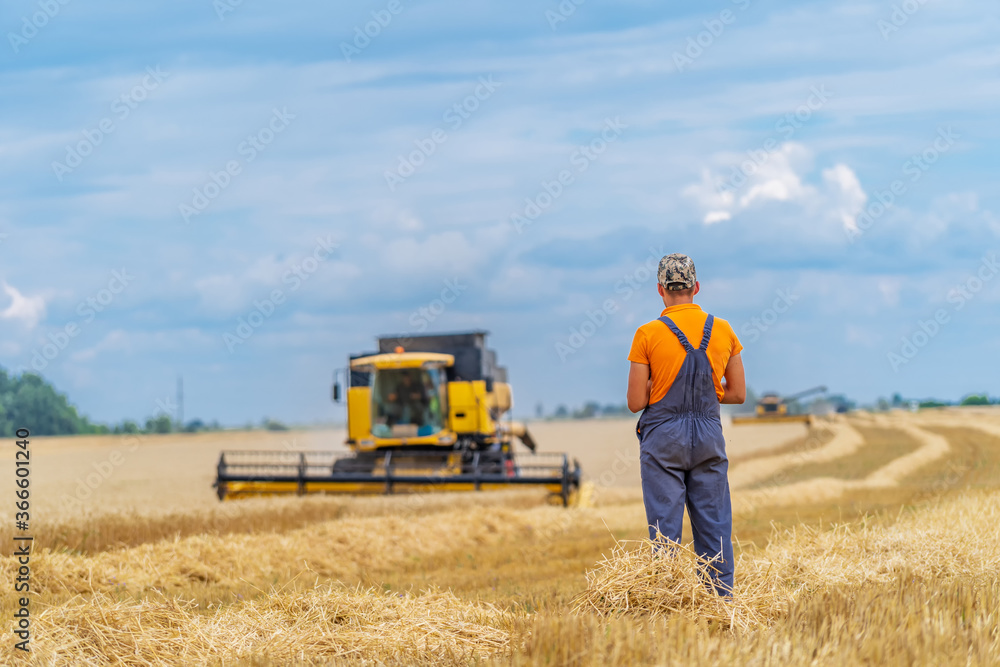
x: 676, y: 272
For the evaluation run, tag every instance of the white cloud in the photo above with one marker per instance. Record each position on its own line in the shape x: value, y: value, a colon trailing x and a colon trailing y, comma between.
x: 779, y: 177
x: 708, y: 192
x: 221, y: 293
x: 863, y: 336
x: 516, y: 283
x: 230, y: 293
x: 842, y: 179
x: 444, y: 254
x: 120, y: 342
x: 889, y: 289
x: 389, y: 215
x: 28, y: 310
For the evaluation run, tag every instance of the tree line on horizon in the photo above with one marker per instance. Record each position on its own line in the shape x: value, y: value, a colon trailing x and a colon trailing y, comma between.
x: 841, y: 403
x: 29, y: 401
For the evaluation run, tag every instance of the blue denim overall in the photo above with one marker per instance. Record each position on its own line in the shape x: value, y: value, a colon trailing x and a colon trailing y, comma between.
x: 682, y: 458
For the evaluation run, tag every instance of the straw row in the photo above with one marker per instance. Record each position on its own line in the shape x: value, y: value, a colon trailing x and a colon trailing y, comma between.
x: 312, y: 626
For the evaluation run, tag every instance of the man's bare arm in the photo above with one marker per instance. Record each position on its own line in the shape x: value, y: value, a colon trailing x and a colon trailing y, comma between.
x: 735, y: 384
x: 638, y: 386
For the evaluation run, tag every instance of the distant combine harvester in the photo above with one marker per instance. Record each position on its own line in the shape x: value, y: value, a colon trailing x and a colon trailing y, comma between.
x: 773, y: 407
x: 424, y: 414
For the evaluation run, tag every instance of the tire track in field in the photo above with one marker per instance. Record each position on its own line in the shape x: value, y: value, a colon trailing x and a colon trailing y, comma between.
x: 846, y: 440
x: 823, y: 489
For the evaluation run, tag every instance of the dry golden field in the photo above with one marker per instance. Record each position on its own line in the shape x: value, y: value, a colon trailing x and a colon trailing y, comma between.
x: 868, y: 540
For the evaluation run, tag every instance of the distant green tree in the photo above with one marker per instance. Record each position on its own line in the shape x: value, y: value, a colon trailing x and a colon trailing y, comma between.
x: 589, y: 409
x: 976, y: 399
x: 94, y: 429
x: 28, y: 401
x: 273, y: 425
x: 160, y: 424
x: 129, y: 426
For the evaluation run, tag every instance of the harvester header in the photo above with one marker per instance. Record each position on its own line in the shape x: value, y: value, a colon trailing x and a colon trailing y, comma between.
x: 424, y: 413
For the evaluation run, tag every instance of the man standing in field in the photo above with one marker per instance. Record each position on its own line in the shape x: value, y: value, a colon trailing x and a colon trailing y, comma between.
x: 682, y: 453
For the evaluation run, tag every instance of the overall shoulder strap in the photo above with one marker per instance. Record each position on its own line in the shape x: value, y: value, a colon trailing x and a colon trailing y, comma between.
x: 677, y: 332
x: 706, y: 335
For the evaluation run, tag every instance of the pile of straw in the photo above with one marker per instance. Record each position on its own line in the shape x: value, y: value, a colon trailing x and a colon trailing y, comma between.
x: 953, y: 540
x: 313, y: 626
x: 654, y: 579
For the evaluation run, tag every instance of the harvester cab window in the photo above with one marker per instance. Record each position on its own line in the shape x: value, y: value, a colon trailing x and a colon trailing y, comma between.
x: 407, y: 402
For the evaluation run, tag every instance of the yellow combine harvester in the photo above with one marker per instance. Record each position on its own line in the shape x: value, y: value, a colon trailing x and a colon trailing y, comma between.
x: 424, y: 413
x: 774, y: 408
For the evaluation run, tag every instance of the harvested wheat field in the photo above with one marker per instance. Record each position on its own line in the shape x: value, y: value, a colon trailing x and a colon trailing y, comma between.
x: 871, y: 539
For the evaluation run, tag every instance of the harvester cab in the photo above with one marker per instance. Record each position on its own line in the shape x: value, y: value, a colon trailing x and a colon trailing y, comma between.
x: 424, y: 413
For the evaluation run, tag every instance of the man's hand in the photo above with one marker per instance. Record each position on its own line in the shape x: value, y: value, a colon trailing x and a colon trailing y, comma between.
x: 639, y: 385
x: 735, y: 385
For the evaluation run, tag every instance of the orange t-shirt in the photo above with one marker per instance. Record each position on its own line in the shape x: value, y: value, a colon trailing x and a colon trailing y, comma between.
x: 656, y: 345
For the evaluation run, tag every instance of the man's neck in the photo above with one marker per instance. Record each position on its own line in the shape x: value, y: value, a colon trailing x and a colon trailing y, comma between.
x: 678, y: 301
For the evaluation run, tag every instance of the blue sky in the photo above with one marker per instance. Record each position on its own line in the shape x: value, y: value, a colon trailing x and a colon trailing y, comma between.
x: 170, y: 168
